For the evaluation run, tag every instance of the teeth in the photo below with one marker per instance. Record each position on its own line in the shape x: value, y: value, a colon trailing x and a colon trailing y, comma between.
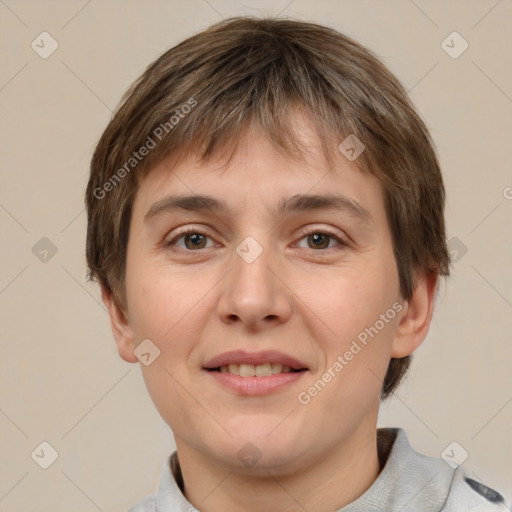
x: 234, y: 369
x: 263, y: 370
x: 260, y: 370
x: 277, y: 367
x: 246, y: 370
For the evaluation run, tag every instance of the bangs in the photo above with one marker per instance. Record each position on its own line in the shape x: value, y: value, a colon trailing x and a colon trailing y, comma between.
x: 259, y: 79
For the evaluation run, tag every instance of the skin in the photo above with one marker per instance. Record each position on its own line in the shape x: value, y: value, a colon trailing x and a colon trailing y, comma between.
x: 306, y: 301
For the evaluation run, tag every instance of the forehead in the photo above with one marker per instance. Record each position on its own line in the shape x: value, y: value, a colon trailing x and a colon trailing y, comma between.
x: 260, y: 174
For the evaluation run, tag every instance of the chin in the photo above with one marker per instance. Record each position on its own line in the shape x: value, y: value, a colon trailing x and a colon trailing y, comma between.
x: 258, y: 453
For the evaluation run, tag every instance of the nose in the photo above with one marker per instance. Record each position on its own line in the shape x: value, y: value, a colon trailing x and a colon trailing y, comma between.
x: 254, y: 293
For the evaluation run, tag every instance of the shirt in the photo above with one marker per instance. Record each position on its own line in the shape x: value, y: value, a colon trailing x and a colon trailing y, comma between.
x: 409, y: 481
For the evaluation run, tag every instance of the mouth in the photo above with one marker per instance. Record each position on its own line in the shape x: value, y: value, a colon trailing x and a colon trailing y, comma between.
x: 255, y: 380
x: 260, y: 370
x: 255, y: 373
x: 264, y: 363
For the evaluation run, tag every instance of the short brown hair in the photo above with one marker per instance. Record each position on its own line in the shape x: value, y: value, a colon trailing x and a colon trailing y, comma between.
x: 201, y: 95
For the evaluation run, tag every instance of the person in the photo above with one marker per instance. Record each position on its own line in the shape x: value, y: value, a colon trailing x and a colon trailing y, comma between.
x: 266, y: 222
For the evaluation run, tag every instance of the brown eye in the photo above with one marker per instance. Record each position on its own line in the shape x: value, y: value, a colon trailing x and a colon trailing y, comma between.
x: 197, y: 241
x: 319, y: 240
x: 192, y: 240
x: 322, y: 240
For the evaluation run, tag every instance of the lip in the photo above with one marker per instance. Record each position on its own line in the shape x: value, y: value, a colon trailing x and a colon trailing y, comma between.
x: 254, y: 358
x: 255, y: 385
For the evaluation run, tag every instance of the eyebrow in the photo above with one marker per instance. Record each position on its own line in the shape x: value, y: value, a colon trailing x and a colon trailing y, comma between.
x: 286, y: 205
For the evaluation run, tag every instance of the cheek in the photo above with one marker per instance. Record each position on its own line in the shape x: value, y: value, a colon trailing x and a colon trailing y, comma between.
x: 354, y: 300
x: 354, y: 325
x: 157, y: 299
x: 171, y: 310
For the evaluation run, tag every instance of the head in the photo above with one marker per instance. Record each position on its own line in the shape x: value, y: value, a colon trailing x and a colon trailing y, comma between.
x: 252, y: 112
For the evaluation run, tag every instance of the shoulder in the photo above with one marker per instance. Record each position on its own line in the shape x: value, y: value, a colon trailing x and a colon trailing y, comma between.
x: 147, y: 504
x: 467, y: 494
x: 415, y: 481
x: 168, y: 496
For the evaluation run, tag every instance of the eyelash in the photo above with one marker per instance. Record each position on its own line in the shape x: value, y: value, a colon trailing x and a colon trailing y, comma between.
x: 191, y: 231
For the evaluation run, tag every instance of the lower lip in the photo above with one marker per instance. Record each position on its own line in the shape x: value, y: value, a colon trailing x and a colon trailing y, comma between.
x: 256, y: 385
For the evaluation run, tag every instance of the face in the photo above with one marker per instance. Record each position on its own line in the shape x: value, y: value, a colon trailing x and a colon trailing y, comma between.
x: 297, y: 286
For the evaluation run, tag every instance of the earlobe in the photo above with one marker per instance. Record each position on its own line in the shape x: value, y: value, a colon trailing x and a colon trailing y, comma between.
x: 121, y: 328
x: 415, y: 320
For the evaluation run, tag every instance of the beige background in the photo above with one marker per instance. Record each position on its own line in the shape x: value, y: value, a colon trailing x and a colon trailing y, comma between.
x: 61, y: 379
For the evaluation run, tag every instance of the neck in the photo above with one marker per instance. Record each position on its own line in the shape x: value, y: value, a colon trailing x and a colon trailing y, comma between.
x: 332, y: 481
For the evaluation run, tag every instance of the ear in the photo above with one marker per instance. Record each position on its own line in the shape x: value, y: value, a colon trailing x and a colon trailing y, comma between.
x: 121, y: 328
x: 415, y: 318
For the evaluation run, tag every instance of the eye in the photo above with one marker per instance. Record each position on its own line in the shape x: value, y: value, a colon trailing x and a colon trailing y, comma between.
x: 322, y: 239
x: 193, y: 239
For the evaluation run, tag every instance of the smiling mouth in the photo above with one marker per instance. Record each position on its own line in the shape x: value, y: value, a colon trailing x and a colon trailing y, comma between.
x: 260, y: 370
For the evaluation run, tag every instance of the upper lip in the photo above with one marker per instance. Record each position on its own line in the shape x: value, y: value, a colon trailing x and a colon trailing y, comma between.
x: 254, y: 358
